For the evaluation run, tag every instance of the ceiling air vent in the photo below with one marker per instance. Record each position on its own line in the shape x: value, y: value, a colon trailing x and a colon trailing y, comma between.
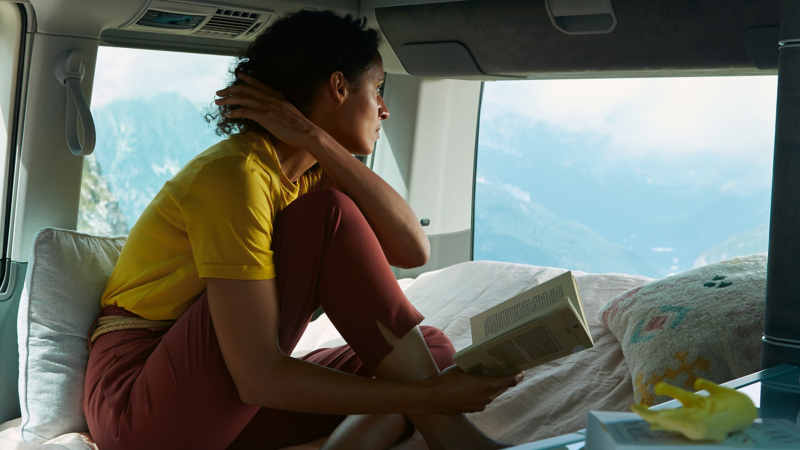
x: 229, y: 23
x: 198, y: 19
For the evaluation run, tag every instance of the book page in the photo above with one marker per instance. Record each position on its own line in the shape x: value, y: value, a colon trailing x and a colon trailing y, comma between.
x: 576, y: 301
x: 579, y: 327
x: 523, y: 306
x: 558, y: 334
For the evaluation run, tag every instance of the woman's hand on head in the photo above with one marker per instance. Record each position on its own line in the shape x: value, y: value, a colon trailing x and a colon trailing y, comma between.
x: 453, y: 391
x: 257, y: 101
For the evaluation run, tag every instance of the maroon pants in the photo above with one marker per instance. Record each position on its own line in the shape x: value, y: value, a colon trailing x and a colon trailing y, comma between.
x: 170, y: 389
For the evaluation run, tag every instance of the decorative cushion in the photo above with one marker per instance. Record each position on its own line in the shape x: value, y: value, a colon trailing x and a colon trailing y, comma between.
x: 67, y: 274
x: 706, y: 322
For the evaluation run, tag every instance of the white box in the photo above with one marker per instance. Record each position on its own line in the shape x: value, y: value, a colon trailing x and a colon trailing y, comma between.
x: 624, y: 431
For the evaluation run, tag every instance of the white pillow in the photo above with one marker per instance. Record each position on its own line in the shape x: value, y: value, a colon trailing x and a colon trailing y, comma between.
x: 67, y: 274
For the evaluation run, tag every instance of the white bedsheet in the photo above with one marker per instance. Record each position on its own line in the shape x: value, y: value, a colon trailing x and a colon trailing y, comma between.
x: 553, y: 399
x: 10, y: 439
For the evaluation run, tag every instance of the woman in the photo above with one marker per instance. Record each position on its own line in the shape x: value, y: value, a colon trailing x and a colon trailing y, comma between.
x: 220, y: 276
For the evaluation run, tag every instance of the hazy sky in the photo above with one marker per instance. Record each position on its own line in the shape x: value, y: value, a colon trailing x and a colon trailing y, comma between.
x: 666, y: 117
x: 124, y: 73
x: 677, y: 131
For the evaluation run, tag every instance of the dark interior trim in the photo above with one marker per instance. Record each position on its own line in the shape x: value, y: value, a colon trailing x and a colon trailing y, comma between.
x: 762, y: 45
x: 516, y: 37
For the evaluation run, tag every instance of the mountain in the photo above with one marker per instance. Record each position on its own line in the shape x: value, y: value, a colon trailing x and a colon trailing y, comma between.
x: 142, y: 143
x: 666, y: 210
x: 747, y: 243
x: 511, y: 229
x: 99, y: 211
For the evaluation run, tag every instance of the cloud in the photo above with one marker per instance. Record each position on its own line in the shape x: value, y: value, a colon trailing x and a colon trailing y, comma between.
x: 515, y: 191
x: 726, y: 117
x: 662, y: 249
x: 124, y: 73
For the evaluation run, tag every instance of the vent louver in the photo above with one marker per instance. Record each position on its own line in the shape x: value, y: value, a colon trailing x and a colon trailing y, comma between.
x: 228, y: 23
x: 254, y: 29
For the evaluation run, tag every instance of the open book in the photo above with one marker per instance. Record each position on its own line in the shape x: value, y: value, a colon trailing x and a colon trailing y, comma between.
x: 538, y: 326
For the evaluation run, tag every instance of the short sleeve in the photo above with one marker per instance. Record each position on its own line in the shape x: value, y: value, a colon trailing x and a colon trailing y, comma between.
x: 313, y: 179
x: 228, y: 211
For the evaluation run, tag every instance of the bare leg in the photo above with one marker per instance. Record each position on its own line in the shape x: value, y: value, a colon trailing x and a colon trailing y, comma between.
x: 410, y: 360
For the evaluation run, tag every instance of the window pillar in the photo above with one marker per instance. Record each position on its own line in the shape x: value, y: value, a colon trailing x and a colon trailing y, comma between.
x: 782, y: 312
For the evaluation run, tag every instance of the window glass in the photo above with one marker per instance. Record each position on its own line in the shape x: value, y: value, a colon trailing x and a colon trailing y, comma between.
x: 639, y: 176
x: 148, y: 110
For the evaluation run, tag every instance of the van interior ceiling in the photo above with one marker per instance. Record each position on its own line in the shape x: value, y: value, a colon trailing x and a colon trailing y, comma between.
x: 437, y: 55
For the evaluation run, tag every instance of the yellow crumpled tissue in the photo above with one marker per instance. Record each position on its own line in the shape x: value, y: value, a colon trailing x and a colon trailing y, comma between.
x: 701, y: 418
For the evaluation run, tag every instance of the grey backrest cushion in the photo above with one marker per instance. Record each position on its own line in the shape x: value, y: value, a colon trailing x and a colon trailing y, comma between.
x: 67, y: 274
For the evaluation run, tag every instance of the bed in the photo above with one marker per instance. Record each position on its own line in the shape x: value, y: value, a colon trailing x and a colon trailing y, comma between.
x: 552, y: 400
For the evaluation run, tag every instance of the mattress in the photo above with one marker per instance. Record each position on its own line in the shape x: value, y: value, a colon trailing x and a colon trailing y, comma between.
x: 552, y: 400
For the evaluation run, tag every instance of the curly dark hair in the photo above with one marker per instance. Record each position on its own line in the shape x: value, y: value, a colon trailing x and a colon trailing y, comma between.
x: 296, y: 55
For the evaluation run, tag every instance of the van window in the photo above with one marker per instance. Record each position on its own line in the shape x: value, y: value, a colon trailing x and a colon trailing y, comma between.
x: 640, y: 176
x: 12, y: 41
x: 148, y: 110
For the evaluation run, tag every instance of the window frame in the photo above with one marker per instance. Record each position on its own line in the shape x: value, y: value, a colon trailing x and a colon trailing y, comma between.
x: 7, y: 274
x: 475, y: 175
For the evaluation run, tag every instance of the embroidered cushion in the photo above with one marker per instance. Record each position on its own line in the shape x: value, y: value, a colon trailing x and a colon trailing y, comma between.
x: 67, y: 273
x: 706, y: 323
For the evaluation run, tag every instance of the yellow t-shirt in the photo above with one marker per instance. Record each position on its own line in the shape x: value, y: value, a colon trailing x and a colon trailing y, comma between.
x: 213, y: 219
